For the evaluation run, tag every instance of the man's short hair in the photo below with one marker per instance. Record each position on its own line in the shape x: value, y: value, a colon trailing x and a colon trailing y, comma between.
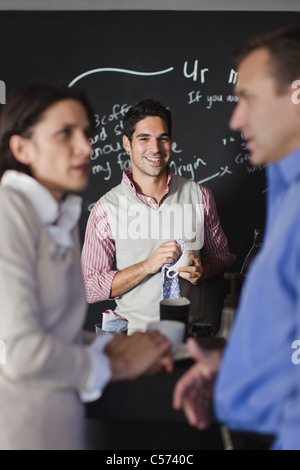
x: 142, y: 110
x: 283, y: 46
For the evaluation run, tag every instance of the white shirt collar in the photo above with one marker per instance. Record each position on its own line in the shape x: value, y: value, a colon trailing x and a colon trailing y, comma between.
x: 58, y: 219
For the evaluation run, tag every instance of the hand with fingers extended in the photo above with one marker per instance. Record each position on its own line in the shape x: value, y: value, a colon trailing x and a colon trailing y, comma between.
x: 194, y: 390
x: 138, y: 354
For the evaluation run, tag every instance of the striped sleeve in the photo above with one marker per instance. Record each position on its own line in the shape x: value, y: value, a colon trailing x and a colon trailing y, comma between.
x: 97, y: 258
x: 215, y: 240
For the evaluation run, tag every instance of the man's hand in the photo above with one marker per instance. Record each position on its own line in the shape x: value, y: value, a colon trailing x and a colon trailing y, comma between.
x: 130, y: 277
x: 167, y: 252
x: 198, y: 273
x: 138, y: 354
x: 194, y: 272
x: 194, y: 390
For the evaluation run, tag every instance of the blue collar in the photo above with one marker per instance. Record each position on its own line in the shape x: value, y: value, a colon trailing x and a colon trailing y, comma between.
x: 289, y: 167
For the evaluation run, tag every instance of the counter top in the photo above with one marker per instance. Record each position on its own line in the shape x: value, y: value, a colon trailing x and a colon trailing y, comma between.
x: 139, y: 415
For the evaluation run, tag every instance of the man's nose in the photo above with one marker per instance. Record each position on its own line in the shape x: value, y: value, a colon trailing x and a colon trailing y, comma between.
x: 155, y: 145
x: 237, y: 119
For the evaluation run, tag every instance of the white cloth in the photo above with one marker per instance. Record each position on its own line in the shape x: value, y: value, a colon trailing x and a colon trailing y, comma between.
x: 100, y: 372
x: 58, y: 219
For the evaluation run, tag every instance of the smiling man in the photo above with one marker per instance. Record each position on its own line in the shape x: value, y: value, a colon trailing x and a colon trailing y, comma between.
x: 133, y: 229
x: 258, y: 385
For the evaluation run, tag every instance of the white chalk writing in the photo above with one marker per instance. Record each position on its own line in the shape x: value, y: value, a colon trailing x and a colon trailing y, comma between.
x: 108, y: 69
x: 106, y: 169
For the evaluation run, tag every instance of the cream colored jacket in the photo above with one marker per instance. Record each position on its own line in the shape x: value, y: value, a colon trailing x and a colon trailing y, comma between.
x: 42, y: 310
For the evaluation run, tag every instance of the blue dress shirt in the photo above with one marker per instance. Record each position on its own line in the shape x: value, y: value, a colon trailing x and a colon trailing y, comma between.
x: 258, y: 386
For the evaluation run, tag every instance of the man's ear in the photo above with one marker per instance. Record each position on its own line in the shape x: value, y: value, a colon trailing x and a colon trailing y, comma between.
x: 19, y: 147
x: 126, y: 143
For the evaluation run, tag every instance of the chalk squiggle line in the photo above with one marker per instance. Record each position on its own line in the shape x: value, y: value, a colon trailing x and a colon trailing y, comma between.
x: 209, y: 178
x: 132, y: 72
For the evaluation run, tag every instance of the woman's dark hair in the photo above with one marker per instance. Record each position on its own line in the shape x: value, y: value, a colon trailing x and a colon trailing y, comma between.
x: 283, y: 45
x: 24, y: 109
x: 142, y: 110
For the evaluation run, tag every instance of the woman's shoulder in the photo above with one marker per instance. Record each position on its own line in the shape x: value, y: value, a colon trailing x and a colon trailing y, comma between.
x: 15, y: 208
x: 10, y: 196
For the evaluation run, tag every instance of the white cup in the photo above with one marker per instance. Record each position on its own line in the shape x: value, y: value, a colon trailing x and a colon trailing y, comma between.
x: 183, y: 260
x: 172, y: 329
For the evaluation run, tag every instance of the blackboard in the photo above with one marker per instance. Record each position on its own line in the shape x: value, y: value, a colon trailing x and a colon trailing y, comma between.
x: 179, y: 58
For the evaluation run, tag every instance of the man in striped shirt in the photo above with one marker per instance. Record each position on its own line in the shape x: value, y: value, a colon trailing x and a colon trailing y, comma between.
x: 132, y: 230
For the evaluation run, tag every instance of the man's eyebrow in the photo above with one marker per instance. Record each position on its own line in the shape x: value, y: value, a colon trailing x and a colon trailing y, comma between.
x: 145, y: 134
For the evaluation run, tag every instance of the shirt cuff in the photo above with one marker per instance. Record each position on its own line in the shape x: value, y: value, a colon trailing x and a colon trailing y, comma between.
x: 100, y: 372
x: 112, y: 273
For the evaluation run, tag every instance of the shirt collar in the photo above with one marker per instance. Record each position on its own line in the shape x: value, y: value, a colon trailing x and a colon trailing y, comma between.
x: 288, y: 168
x: 58, y: 219
x: 127, y: 178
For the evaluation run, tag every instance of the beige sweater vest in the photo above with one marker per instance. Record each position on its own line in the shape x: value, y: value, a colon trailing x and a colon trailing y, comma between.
x: 138, y: 230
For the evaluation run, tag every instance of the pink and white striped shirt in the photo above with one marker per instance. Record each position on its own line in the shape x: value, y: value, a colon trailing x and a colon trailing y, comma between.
x: 98, y: 252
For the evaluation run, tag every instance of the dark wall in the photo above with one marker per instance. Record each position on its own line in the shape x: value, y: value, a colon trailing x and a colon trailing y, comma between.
x: 117, y: 57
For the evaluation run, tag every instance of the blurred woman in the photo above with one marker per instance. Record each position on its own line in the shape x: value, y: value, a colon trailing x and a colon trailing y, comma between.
x: 51, y: 367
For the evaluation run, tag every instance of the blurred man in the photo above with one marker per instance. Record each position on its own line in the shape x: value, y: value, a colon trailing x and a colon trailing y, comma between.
x: 258, y: 385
